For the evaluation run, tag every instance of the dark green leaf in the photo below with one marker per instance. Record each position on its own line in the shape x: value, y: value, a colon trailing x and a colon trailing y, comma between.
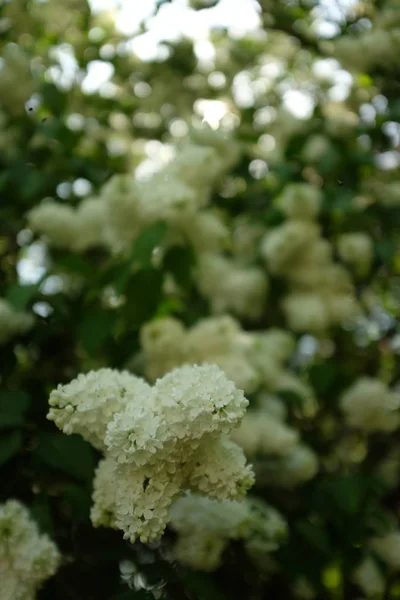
x: 143, y: 246
x: 78, y: 500
x: 10, y: 443
x: 20, y: 295
x: 95, y: 329
x: 69, y: 454
x: 202, y: 586
x: 143, y: 295
x: 322, y: 377
x: 315, y: 535
x: 13, y: 405
x: 179, y: 261
x: 42, y: 514
x: 291, y: 398
x: 74, y: 263
x: 386, y: 249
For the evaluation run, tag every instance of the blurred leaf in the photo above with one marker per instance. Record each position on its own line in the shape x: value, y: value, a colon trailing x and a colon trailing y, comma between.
x: 20, y: 295
x: 42, y: 514
x: 143, y: 295
x: 13, y: 405
x: 10, y: 443
x: 95, y: 329
x: 74, y: 263
x: 53, y: 98
x: 79, y: 501
x: 3, y: 179
x: 322, y: 376
x: 134, y: 595
x: 202, y: 586
x: 386, y: 249
x: 179, y: 261
x: 291, y: 398
x: 315, y: 535
x: 69, y: 454
x: 142, y: 248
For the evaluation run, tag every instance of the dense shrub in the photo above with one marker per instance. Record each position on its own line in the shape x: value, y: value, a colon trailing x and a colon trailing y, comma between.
x: 199, y: 302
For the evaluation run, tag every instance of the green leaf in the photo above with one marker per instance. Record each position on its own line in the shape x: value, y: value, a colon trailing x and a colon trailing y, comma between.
x: 386, y: 249
x: 74, y: 264
x: 134, y: 595
x: 78, y: 500
x: 315, y: 535
x: 142, y: 248
x: 95, y: 329
x: 143, y: 295
x: 3, y: 179
x: 179, y: 261
x: 69, y: 454
x: 202, y: 586
x: 20, y: 295
x: 13, y: 405
x: 10, y: 443
x: 322, y: 377
x: 42, y: 514
x: 291, y: 398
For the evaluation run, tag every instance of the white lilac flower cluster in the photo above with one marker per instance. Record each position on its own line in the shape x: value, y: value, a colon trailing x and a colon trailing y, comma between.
x: 369, y: 575
x: 373, y: 48
x: 283, y: 460
x: 369, y: 578
x: 205, y: 527
x: 387, y: 548
x: 177, y: 194
x: 321, y: 292
x: 12, y: 322
x: 254, y: 361
x: 219, y: 340
x: 158, y: 441
x: 231, y: 286
x: 369, y: 405
x: 386, y: 193
x: 356, y: 250
x: 27, y: 558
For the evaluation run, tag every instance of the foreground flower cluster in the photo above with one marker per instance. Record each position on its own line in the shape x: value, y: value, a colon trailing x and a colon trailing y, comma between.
x: 27, y: 558
x: 158, y: 441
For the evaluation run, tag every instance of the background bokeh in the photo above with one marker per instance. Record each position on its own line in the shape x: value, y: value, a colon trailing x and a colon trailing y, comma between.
x: 228, y: 165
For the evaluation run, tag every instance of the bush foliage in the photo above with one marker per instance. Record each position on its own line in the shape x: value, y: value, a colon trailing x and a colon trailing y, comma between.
x: 234, y: 202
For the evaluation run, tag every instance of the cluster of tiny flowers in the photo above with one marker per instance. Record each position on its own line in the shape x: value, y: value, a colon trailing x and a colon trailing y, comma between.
x: 12, y: 322
x: 289, y: 471
x: 158, y: 441
x: 356, y: 250
x: 205, y: 527
x: 321, y: 292
x: 232, y: 287
x: 251, y: 360
x: 262, y: 433
x: 369, y: 405
x: 387, y: 549
x: 387, y: 194
x: 280, y: 458
x: 269, y: 353
x: 375, y: 48
x: 177, y: 194
x: 219, y: 340
x: 369, y: 578
x: 27, y: 558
